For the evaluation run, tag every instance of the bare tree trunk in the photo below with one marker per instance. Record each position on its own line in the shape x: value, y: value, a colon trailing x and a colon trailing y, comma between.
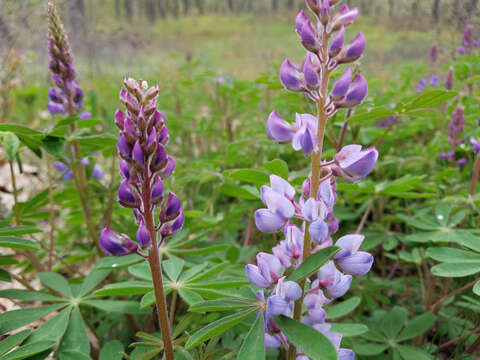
x: 175, y: 8
x: 230, y: 5
x: 161, y: 9
x: 274, y: 5
x: 471, y: 9
x: 127, y: 4
x: 186, y: 7
x: 199, y: 4
x: 436, y: 11
x: 391, y: 8
x: 117, y: 9
x: 291, y: 4
x: 76, y: 12
x: 150, y: 11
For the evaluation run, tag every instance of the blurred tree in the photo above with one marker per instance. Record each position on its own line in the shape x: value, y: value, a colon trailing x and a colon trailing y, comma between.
x: 186, y: 7
x: 436, y: 11
x: 117, y: 9
x: 7, y: 38
x: 199, y: 4
x: 274, y: 5
x: 230, y: 5
x: 128, y: 9
x: 161, y: 9
x: 290, y: 4
x: 150, y: 11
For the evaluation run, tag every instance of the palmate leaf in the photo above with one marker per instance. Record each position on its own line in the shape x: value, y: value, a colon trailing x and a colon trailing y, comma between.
x: 313, y: 263
x: 29, y: 350
x: 253, y: 346
x: 305, y: 338
x: 430, y: 99
x: 417, y: 326
x: 56, y: 282
x: 217, y: 327
x: 52, y: 329
x: 343, y: 308
x: 409, y: 352
x: 348, y: 330
x: 222, y: 305
x: 112, y: 350
x: 392, y: 322
x: 16, y: 318
x: 95, y: 277
x: 17, y: 243
x: 75, y: 338
x: 13, y: 340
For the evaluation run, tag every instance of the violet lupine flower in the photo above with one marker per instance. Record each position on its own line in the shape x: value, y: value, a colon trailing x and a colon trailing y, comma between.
x: 421, y: 85
x: 67, y: 172
x: 475, y: 144
x: 386, y: 122
x: 434, y: 80
x: 467, y: 44
x: 113, y: 243
x: 456, y: 126
x: 312, y: 214
x: 145, y: 164
x: 65, y: 96
x: 461, y: 162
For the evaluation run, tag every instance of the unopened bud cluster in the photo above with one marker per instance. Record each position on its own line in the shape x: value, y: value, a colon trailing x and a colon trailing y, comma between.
x: 144, y: 166
x: 65, y: 96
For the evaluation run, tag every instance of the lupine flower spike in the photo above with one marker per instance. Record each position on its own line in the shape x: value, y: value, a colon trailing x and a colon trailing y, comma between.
x: 144, y: 167
x: 307, y: 220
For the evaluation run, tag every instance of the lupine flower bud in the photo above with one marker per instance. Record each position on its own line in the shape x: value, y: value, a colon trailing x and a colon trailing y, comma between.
x: 357, y: 93
x: 125, y: 169
x: 171, y: 208
x: 311, y: 77
x: 160, y: 160
x: 462, y: 162
x: 291, y: 77
x: 138, y: 157
x: 355, y: 163
x: 177, y: 223
x: 421, y: 85
x: 119, y: 119
x: 434, y: 80
x: 60, y: 166
x: 157, y: 191
x: 475, y: 144
x: 151, y: 142
x: 337, y: 43
x: 340, y: 88
x: 278, y: 129
x: 450, y: 79
x: 126, y: 197
x: 300, y: 21
x: 309, y: 37
x: 55, y: 108
x: 359, y: 263
x: 345, y: 17
x: 113, y: 243
x: 124, y: 148
x: 324, y: 15
x: 314, y: 5
x: 168, y: 169
x: 143, y: 236
x: 354, y: 49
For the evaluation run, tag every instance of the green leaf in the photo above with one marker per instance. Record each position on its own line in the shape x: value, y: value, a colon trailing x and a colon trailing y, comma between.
x: 343, y: 308
x: 52, y: 329
x: 189, y: 296
x: 417, y: 326
x: 28, y: 295
x: 73, y: 355
x: 76, y: 338
x: 252, y: 176
x: 372, y: 114
x: 28, y: 351
x: 19, y: 230
x: 253, y: 346
x: 430, y: 99
x: 147, y: 299
x: 476, y: 288
x: 222, y: 305
x: 348, y: 330
x: 125, y: 288
x: 118, y: 306
x: 118, y: 262
x: 217, y: 327
x: 14, y: 319
x: 310, y: 341
x: 409, y: 353
x: 201, y: 251
x: 17, y: 243
x: 458, y: 269
x: 241, y: 192
x: 11, y: 144
x: 173, y: 268
x: 446, y: 254
x: 313, y: 263
x: 277, y: 167
x: 370, y: 349
x: 19, y: 129
x: 56, y: 282
x: 13, y: 340
x: 54, y: 145
x: 393, y: 321
x: 214, y: 271
x: 5, y: 276
x: 112, y: 350
x: 94, y: 278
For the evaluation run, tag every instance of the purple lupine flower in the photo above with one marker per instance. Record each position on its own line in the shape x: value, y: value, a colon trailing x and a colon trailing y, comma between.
x: 421, y: 85
x: 291, y: 77
x: 278, y: 129
x: 446, y: 154
x: 353, y: 163
x: 97, y: 172
x: 456, y: 126
x: 354, y: 50
x: 475, y: 144
x: 467, y: 41
x: 434, y: 80
x: 462, y: 162
x: 145, y: 163
x: 66, y: 96
x: 386, y: 122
